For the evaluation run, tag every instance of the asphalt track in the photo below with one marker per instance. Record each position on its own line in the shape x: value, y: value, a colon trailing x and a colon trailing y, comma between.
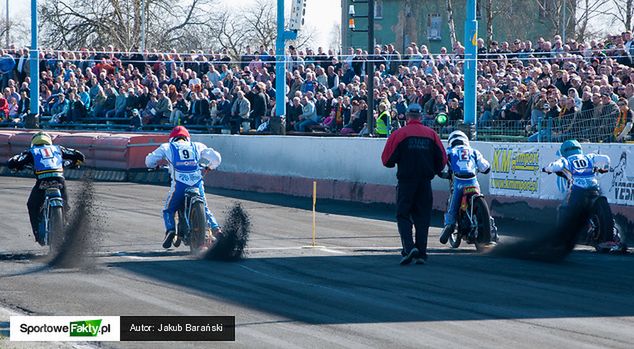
x: 351, y: 293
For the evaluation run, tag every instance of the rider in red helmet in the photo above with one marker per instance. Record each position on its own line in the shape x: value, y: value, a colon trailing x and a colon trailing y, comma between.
x: 185, y: 159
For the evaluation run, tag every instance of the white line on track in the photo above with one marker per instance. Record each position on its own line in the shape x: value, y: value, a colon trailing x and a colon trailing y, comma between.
x: 334, y: 249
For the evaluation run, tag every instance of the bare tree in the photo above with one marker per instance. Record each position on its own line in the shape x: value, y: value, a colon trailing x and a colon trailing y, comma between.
x: 254, y: 25
x: 588, y: 11
x: 230, y: 33
x: 623, y: 11
x: 493, y: 9
x: 77, y: 23
x: 451, y: 23
x: 18, y: 31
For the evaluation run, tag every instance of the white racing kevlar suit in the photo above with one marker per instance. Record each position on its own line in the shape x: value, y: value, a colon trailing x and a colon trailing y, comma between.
x: 185, y: 159
x: 464, y: 163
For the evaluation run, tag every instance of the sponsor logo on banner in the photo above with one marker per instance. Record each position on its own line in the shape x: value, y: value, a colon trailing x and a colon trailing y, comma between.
x: 64, y: 328
x: 514, y: 171
x: 621, y: 185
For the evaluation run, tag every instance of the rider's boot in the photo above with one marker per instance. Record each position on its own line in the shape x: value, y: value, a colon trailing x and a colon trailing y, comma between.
x: 215, y: 234
x: 446, y: 232
x: 177, y: 241
x: 169, y: 237
x: 38, y: 239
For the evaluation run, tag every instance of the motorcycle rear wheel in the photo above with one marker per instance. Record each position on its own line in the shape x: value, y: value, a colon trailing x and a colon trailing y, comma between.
x: 482, y: 217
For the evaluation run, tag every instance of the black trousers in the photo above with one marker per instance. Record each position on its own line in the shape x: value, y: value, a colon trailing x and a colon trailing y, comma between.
x: 413, y: 207
x: 38, y: 193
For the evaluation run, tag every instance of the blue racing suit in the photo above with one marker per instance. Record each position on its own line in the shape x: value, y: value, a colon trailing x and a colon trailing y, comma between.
x: 185, y: 159
x: 579, y: 170
x: 464, y: 163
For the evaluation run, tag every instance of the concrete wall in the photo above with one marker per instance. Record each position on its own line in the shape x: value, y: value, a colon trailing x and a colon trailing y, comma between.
x: 348, y: 169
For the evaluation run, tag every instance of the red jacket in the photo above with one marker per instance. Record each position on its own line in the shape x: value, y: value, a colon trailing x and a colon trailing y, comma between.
x: 4, y: 107
x: 417, y: 150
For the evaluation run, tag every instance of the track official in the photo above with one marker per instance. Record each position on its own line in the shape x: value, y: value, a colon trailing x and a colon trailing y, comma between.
x: 420, y: 156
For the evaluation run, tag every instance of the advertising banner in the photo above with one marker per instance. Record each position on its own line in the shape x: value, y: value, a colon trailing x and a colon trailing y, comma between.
x: 516, y: 171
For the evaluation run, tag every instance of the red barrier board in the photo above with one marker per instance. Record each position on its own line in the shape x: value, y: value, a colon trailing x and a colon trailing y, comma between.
x: 140, y: 146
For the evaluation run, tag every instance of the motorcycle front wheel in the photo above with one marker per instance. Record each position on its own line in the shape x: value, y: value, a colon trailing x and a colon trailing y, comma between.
x: 198, y: 229
x: 456, y: 238
x: 602, y: 222
x: 55, y: 228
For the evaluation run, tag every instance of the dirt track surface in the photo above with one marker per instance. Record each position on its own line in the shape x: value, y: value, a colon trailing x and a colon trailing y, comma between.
x: 351, y: 293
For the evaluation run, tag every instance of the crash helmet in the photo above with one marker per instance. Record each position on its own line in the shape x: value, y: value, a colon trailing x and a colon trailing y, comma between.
x: 570, y: 147
x: 457, y: 138
x: 179, y: 132
x: 41, y: 138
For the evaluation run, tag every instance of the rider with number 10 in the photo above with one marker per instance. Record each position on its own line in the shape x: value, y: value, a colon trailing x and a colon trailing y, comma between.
x: 584, y: 195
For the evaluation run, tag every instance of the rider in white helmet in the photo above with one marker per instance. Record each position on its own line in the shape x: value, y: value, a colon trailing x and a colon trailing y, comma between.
x: 464, y: 164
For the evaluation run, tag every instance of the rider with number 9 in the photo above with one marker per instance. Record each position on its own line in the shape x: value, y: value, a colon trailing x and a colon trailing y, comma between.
x: 47, y: 161
x: 464, y: 164
x: 185, y: 159
x: 579, y: 169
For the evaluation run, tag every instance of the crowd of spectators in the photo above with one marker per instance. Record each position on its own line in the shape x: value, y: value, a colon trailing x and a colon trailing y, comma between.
x: 547, y: 90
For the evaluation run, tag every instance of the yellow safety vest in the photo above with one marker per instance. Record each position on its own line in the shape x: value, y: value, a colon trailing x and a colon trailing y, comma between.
x: 382, y: 123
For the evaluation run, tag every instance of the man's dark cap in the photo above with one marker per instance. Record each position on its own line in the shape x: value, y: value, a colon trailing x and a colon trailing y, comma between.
x: 414, y: 108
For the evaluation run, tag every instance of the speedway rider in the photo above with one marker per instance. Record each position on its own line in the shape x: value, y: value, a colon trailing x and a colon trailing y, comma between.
x: 579, y: 169
x: 185, y: 159
x: 464, y: 164
x: 47, y: 161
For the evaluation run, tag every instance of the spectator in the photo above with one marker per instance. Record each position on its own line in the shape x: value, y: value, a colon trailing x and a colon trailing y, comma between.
x: 259, y: 105
x: 77, y: 110
x: 59, y: 110
x: 121, y: 102
x: 149, y: 114
x: 293, y: 112
x: 241, y: 110
x: 202, y: 114
x: 24, y: 105
x: 624, y: 122
x: 308, y: 117
x: 163, y: 108
x: 180, y: 110
x: 455, y: 111
x: 13, y: 109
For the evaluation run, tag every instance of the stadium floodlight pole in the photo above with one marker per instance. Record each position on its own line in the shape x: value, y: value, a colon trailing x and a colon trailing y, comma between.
x: 35, y: 69
x: 370, y: 68
x: 470, y: 64
x: 280, y: 70
x: 143, y: 25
